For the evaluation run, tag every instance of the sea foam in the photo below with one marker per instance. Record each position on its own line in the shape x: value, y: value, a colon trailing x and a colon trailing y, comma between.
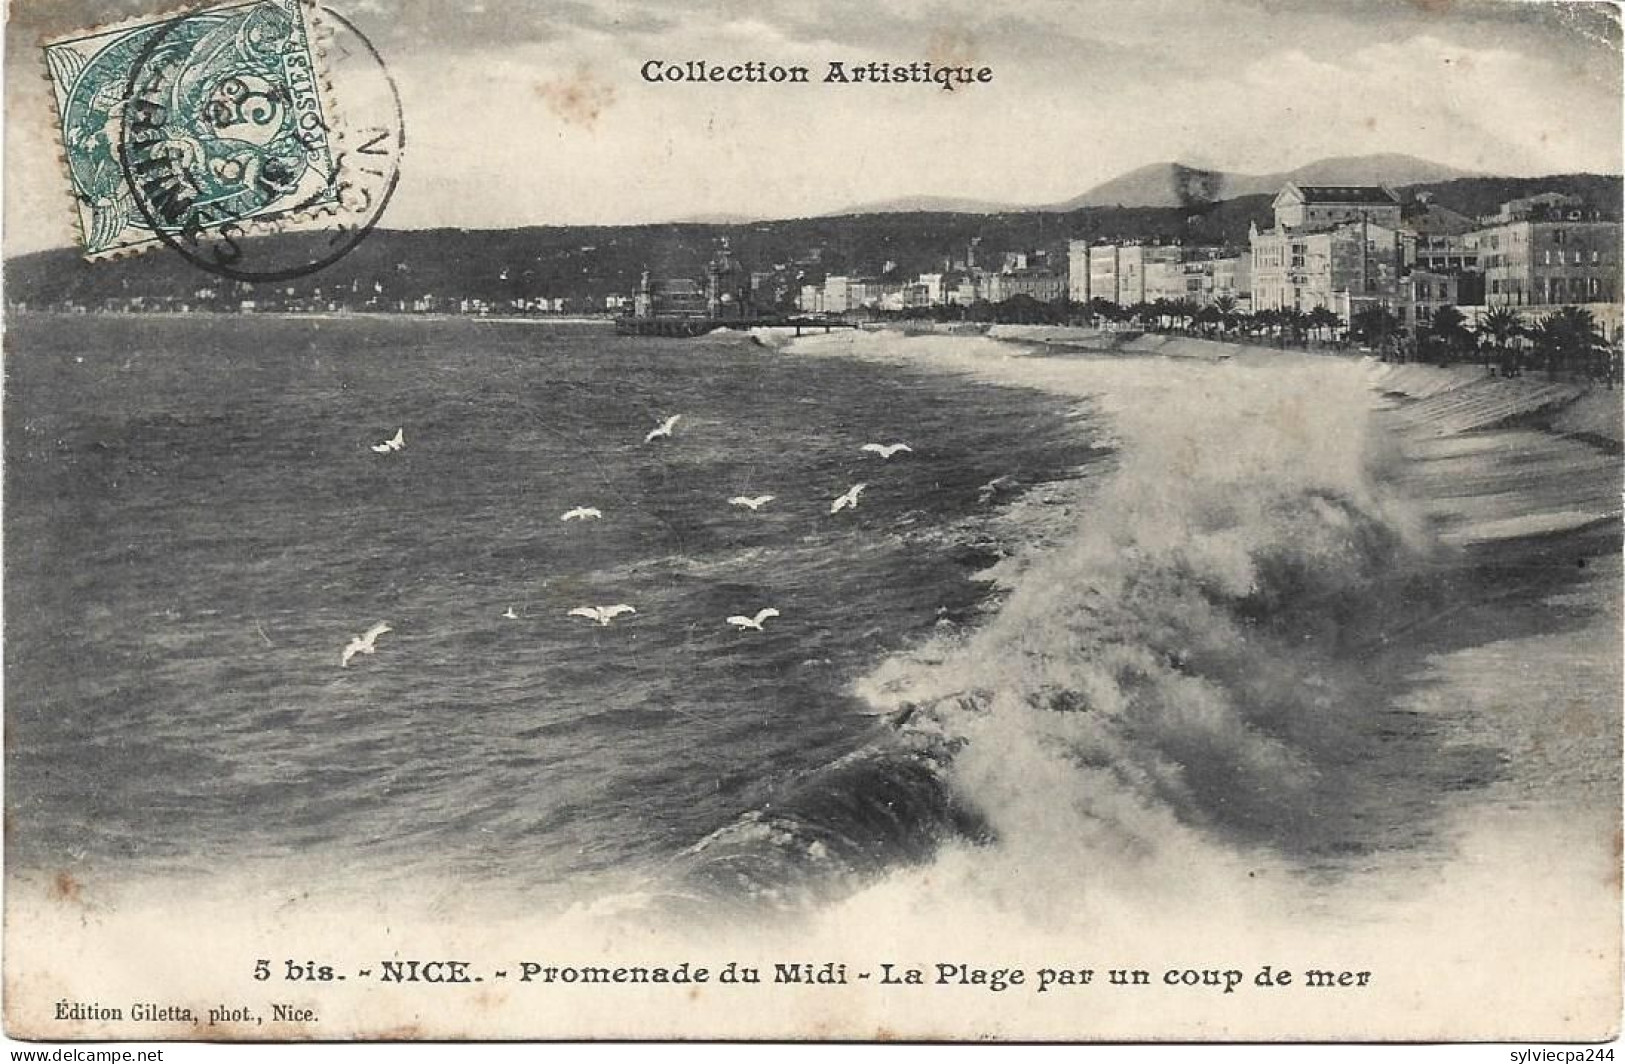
x: 1184, y: 659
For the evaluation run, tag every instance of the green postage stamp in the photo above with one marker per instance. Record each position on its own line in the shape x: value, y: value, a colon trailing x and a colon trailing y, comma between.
x: 189, y: 126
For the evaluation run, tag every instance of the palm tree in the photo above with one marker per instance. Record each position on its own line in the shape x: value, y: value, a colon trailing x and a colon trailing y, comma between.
x: 1295, y: 323
x: 1186, y: 310
x: 1591, y: 346
x: 1447, y: 333
x: 1162, y: 313
x: 1322, y: 317
x: 1375, y: 325
x: 1496, y: 331
x: 1266, y: 321
x: 1226, y: 306
x: 1568, y: 338
x: 1548, y: 339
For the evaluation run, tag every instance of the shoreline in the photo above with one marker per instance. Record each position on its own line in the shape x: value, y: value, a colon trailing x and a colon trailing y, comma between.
x: 1504, y: 477
x: 1081, y: 874
x: 392, y: 316
x: 1473, y: 781
x: 1464, y: 396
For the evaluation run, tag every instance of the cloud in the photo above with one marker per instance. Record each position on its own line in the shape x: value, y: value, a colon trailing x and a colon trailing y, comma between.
x: 1491, y: 109
x: 521, y: 112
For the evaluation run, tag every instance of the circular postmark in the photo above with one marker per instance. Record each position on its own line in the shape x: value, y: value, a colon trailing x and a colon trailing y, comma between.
x: 229, y: 149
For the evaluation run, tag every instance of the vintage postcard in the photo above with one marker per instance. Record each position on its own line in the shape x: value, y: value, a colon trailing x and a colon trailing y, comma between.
x: 603, y: 520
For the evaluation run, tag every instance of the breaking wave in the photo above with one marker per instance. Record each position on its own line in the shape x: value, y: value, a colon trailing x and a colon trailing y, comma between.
x: 1182, y: 669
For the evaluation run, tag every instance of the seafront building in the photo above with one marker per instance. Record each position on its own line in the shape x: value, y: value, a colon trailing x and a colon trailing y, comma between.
x: 1198, y: 275
x: 1341, y: 247
x: 1233, y: 279
x: 837, y: 294
x: 669, y: 297
x: 1345, y: 247
x: 1103, y: 274
x: 1423, y: 293
x: 1077, y: 271
x: 1042, y: 285
x: 1551, y: 256
x: 1132, y: 273
x: 1332, y: 246
x: 1313, y: 208
x: 1343, y: 269
x: 1134, y: 262
x: 1439, y: 238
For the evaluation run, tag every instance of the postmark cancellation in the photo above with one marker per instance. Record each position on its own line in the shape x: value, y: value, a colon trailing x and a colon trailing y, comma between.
x: 181, y: 127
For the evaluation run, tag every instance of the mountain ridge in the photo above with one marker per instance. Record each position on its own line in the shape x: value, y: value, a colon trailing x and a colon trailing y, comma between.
x: 584, y: 263
x: 1177, y: 184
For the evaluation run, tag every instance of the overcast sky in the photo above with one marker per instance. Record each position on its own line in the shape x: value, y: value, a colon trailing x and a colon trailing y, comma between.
x: 533, y: 112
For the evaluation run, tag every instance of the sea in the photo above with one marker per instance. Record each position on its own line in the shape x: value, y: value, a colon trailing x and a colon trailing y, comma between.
x: 1128, y: 661
x: 199, y: 522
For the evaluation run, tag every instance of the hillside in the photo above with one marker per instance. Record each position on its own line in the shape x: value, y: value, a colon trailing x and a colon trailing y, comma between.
x: 918, y: 204
x: 1483, y: 195
x: 586, y: 263
x: 1176, y: 184
x: 1184, y: 186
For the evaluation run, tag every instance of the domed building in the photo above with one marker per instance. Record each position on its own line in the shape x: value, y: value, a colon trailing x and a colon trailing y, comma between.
x: 727, y: 286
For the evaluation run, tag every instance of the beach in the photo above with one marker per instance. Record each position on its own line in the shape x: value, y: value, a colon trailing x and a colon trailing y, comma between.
x: 1484, y: 653
x: 1513, y: 481
x: 1139, y: 662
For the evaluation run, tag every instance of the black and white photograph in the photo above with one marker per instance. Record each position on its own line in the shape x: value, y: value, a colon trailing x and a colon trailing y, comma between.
x: 587, y: 521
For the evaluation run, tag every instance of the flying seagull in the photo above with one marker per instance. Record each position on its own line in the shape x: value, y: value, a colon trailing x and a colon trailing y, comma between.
x: 850, y: 499
x: 602, y: 614
x: 754, y: 504
x: 510, y: 615
x: 581, y: 513
x: 364, y: 644
x: 753, y: 622
x: 886, y: 450
x: 664, y: 429
x: 394, y: 443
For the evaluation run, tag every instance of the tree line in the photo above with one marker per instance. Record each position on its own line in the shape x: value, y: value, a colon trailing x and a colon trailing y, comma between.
x: 1568, y: 342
